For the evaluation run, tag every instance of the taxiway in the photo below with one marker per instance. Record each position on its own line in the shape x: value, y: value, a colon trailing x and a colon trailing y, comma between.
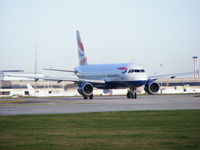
x: 98, y: 104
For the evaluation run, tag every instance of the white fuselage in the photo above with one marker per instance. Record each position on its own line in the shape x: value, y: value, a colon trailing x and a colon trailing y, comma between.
x: 115, y: 75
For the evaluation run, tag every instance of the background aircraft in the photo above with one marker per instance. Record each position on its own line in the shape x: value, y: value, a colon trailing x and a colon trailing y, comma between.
x: 8, y: 71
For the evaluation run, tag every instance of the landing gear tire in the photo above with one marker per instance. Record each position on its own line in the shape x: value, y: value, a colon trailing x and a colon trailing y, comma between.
x: 86, y: 97
x: 128, y: 95
x: 132, y: 94
x: 91, y: 96
x: 135, y: 96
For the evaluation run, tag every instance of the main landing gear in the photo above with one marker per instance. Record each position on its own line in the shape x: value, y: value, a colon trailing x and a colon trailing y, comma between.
x: 132, y: 93
x: 90, y: 97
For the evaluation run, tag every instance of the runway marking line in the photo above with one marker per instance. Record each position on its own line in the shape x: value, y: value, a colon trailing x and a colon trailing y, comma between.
x: 34, y: 104
x: 13, y: 101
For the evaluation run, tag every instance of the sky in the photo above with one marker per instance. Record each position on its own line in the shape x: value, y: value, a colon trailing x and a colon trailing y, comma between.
x: 160, y: 35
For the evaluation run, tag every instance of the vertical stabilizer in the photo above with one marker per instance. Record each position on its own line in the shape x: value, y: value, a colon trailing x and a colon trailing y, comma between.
x: 81, y: 51
x: 30, y: 87
x: 1, y: 75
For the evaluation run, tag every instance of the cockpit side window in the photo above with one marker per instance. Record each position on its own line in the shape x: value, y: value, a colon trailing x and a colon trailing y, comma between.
x: 131, y: 71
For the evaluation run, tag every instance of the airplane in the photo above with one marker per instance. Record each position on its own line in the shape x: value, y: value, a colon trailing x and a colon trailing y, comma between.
x: 108, y: 76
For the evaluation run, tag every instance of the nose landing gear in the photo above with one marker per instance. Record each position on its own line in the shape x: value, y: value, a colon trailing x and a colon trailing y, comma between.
x: 132, y: 93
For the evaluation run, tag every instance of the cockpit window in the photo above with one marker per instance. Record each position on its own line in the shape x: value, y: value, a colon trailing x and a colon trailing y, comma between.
x: 136, y: 70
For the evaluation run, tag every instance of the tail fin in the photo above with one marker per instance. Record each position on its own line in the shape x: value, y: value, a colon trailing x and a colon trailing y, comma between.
x: 81, y: 51
x: 1, y: 75
x: 30, y: 87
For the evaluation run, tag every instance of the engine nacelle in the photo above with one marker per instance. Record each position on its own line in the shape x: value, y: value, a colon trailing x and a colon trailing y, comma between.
x: 85, y: 89
x: 151, y: 87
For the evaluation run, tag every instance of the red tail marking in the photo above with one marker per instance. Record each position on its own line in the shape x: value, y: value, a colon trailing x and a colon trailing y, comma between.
x: 80, y: 45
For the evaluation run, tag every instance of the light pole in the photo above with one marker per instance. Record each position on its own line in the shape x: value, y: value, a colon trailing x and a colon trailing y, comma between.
x: 195, y: 66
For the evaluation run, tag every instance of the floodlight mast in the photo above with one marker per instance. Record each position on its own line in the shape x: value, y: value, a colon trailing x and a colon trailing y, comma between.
x: 195, y: 67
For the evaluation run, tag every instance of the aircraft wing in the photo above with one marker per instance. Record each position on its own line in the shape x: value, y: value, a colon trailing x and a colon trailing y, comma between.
x: 61, y: 70
x: 7, y: 71
x: 59, y: 79
x: 11, y: 70
x: 169, y: 75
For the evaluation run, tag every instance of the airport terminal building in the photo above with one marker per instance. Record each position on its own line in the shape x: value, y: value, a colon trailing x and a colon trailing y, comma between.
x: 180, y: 85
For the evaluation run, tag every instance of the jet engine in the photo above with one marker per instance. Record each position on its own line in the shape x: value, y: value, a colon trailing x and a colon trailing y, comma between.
x: 85, y: 89
x: 151, y: 87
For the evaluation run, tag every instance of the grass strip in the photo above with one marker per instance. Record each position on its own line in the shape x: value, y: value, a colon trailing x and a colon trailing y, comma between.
x: 140, y: 130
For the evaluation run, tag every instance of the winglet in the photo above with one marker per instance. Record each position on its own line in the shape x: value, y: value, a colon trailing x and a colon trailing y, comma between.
x: 81, y: 51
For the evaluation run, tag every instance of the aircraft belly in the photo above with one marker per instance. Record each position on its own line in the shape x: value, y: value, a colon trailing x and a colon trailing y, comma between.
x: 120, y: 84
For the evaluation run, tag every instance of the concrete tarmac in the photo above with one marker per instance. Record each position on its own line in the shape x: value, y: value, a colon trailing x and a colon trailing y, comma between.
x: 58, y: 105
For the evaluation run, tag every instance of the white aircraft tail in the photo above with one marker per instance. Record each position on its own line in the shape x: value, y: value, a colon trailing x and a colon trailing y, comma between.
x: 1, y: 75
x: 81, y: 51
x: 30, y: 87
